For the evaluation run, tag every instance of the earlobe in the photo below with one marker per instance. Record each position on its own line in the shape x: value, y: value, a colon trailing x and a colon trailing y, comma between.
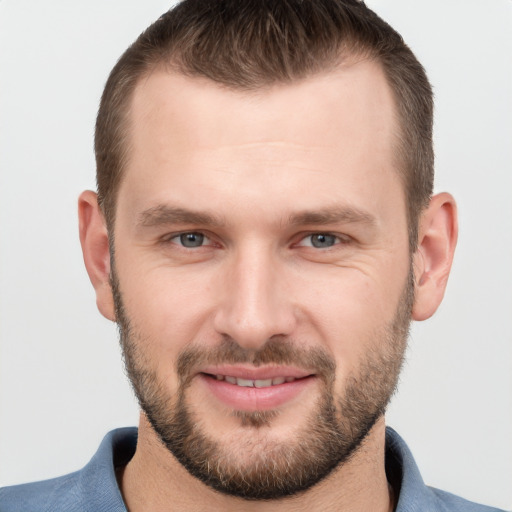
x: 432, y: 261
x: 96, y: 251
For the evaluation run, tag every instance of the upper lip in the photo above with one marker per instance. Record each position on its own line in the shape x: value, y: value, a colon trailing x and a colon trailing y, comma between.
x: 256, y: 373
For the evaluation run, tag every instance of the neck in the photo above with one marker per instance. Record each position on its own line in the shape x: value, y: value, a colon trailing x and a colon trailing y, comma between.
x: 155, y: 480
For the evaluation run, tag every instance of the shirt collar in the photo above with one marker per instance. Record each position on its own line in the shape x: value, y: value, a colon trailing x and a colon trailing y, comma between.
x: 98, y: 477
x: 404, y: 475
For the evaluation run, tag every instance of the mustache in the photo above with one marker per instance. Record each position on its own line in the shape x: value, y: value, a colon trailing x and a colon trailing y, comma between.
x: 276, y: 351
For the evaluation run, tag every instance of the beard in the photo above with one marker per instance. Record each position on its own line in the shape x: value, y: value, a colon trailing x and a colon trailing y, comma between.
x: 336, y: 426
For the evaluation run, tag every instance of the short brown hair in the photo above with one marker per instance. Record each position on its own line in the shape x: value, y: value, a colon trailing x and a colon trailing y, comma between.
x: 250, y: 44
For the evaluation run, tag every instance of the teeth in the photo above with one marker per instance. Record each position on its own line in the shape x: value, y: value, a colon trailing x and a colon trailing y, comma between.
x: 263, y: 383
x: 258, y: 383
x: 245, y: 383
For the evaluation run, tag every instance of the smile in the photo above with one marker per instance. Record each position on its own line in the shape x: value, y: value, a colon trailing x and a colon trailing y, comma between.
x: 254, y: 383
x: 256, y: 390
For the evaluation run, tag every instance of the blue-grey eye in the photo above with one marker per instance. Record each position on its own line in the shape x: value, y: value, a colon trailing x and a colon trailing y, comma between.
x: 322, y: 240
x: 192, y: 239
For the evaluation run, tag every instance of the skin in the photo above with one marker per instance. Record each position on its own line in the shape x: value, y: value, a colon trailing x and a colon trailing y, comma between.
x: 254, y: 161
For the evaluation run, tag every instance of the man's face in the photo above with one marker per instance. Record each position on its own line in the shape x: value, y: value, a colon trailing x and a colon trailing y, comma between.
x: 262, y: 273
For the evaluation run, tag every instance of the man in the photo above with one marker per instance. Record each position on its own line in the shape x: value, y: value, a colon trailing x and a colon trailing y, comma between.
x: 263, y: 233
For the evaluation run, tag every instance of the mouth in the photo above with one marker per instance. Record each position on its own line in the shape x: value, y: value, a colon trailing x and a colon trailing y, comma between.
x: 253, y: 383
x: 255, y: 389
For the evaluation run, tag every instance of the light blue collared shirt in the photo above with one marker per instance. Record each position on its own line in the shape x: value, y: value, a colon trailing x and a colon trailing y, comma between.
x: 94, y: 488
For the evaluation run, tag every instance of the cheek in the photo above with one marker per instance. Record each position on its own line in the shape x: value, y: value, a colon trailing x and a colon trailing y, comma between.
x: 167, y: 311
x: 349, y: 311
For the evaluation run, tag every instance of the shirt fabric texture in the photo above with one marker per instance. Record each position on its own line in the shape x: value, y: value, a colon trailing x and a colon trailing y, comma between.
x: 94, y: 488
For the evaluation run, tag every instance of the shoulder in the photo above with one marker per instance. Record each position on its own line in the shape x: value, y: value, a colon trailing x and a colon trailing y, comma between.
x: 56, y: 494
x: 447, y: 502
x: 413, y: 494
x: 92, y: 489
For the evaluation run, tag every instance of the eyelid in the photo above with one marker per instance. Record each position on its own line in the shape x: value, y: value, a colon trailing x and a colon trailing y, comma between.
x: 209, y: 240
x: 170, y: 237
x: 341, y: 238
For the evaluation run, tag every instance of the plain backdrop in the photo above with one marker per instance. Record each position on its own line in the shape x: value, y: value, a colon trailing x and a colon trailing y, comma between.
x: 62, y: 385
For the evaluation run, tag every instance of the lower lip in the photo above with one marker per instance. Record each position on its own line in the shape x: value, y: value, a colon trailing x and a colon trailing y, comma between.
x: 255, y: 399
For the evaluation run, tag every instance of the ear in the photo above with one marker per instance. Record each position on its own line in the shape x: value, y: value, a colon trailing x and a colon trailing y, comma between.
x: 432, y: 261
x: 96, y: 251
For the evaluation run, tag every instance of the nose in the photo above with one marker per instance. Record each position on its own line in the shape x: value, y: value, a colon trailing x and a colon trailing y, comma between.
x: 254, y: 303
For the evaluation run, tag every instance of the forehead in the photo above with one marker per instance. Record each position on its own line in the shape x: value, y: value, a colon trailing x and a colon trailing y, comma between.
x: 291, y: 138
x: 354, y: 96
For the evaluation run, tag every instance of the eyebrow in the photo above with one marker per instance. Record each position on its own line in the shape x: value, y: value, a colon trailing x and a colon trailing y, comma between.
x: 164, y: 214
x: 333, y: 215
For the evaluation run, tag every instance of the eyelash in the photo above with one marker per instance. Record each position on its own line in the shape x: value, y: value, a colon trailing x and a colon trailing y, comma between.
x: 337, y: 239
x: 170, y: 238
